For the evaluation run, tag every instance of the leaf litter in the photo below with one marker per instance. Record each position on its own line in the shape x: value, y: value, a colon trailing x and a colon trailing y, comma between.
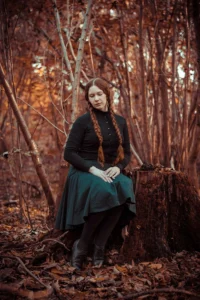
x: 34, y: 264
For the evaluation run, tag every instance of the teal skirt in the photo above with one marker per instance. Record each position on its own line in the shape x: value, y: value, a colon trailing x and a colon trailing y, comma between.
x: 85, y: 193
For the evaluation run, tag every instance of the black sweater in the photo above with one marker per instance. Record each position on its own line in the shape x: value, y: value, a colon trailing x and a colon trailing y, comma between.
x: 83, y: 143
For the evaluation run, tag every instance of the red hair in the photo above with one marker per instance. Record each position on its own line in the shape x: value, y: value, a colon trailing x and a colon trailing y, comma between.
x: 102, y: 85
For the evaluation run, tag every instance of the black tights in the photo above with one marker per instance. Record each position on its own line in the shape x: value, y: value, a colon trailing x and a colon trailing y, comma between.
x: 99, y: 226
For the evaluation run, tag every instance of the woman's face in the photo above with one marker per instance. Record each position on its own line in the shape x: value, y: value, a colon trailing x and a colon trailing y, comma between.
x: 97, y: 98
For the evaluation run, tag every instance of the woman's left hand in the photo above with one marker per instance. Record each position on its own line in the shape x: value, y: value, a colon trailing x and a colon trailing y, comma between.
x: 112, y: 172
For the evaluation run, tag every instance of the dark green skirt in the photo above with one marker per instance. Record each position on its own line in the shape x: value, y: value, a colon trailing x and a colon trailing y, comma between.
x: 85, y: 193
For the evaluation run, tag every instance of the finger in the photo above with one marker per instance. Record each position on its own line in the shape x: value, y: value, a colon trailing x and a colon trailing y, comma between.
x: 108, y: 171
x: 103, y: 178
x: 106, y: 178
x: 109, y: 179
x: 111, y: 174
x: 115, y: 174
x: 110, y: 168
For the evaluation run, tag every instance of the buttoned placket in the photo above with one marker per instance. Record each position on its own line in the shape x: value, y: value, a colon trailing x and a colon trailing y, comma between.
x: 106, y: 120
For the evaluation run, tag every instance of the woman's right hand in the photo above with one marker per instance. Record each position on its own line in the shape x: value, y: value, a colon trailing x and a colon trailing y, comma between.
x: 97, y: 172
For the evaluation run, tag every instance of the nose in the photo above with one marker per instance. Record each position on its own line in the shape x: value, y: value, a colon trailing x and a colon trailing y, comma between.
x: 96, y: 98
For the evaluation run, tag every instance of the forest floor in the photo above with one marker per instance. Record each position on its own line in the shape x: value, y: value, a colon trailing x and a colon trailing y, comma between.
x: 35, y: 265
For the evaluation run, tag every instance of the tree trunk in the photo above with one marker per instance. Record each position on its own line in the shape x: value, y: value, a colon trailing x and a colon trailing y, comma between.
x: 30, y: 142
x: 75, y: 85
x: 174, y: 125
x: 168, y: 209
x: 164, y: 105
x: 184, y: 131
x: 147, y: 147
x: 195, y: 148
x: 165, y: 113
x: 64, y: 51
x: 156, y: 143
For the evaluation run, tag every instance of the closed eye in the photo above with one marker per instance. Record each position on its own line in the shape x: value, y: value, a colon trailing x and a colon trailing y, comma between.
x: 98, y: 94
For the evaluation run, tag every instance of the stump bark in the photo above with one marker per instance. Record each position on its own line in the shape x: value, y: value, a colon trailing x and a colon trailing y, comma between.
x: 168, y: 216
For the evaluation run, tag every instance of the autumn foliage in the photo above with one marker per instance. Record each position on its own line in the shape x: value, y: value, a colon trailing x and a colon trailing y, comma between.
x: 149, y: 53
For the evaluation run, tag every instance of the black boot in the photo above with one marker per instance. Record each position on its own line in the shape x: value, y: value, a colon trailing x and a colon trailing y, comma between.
x: 78, y: 256
x: 98, y: 256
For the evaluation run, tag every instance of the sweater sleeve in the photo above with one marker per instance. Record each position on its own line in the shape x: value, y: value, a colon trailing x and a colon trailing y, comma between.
x: 126, y: 145
x: 73, y: 145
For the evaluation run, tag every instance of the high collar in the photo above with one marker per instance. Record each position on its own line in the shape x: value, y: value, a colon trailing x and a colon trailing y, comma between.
x: 100, y: 112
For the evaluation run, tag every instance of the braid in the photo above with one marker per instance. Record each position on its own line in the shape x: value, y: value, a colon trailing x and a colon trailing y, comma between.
x: 102, y: 85
x: 101, y: 158
x: 120, y: 150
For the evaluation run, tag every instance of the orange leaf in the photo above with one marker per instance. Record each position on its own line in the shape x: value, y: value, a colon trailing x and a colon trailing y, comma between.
x: 155, y: 266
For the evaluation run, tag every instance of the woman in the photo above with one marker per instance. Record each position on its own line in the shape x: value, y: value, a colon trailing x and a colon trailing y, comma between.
x: 96, y: 192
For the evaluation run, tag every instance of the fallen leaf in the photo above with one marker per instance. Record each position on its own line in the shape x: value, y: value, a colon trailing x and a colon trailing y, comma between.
x: 58, y: 271
x: 98, y: 279
x: 155, y: 266
x: 121, y: 269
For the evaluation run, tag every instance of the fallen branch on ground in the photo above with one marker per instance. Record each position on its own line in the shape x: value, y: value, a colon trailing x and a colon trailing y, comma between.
x: 159, y: 291
x: 30, y: 273
x: 56, y: 241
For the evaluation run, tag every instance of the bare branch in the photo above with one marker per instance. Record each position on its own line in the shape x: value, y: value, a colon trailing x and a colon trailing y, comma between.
x: 79, y: 59
x: 158, y: 291
x: 30, y: 142
x: 66, y: 59
x: 56, y: 242
x: 29, y: 272
x: 42, y: 115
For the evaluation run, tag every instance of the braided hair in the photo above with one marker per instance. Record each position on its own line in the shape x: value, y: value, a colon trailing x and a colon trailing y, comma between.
x: 102, y: 85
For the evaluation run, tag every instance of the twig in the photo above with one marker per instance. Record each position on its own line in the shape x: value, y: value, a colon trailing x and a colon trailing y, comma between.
x: 58, y: 25
x: 63, y: 235
x: 41, y: 115
x: 158, y: 291
x: 56, y: 241
x: 111, y: 83
x: 91, y: 56
x: 72, y: 52
x: 30, y: 273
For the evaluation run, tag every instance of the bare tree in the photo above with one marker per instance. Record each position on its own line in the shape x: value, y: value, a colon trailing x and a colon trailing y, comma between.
x: 30, y: 142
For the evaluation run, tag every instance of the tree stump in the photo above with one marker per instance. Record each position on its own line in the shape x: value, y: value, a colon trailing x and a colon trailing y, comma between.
x: 168, y: 216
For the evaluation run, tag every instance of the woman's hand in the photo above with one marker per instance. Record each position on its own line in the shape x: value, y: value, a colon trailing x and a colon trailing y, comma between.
x: 112, y: 172
x: 102, y: 174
